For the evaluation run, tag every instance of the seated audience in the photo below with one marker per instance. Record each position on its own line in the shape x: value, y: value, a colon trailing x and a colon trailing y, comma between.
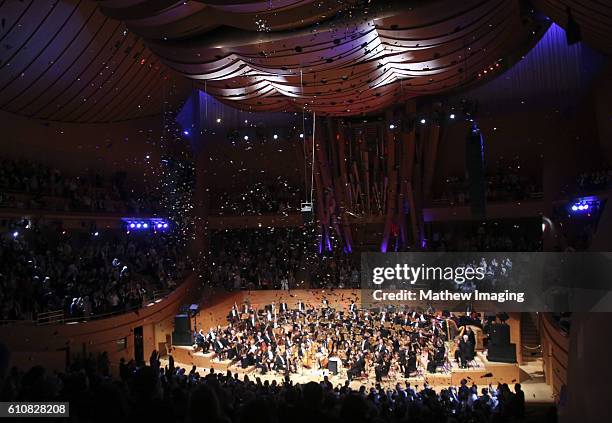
x: 83, y: 274
x: 30, y: 185
x: 275, y: 258
x: 152, y: 392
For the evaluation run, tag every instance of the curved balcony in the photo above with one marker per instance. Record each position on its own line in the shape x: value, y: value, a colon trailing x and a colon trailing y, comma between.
x: 53, y: 343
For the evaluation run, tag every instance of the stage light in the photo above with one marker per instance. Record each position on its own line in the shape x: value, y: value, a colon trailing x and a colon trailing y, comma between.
x: 159, y: 225
x: 218, y: 120
x: 392, y: 126
x: 165, y: 225
x: 423, y: 121
x: 145, y: 225
x: 452, y: 116
x: 275, y: 136
x: 301, y: 135
x: 585, y: 204
x: 15, y: 234
x: 132, y: 225
x: 246, y: 137
x: 185, y: 132
x: 138, y: 225
x: 96, y: 234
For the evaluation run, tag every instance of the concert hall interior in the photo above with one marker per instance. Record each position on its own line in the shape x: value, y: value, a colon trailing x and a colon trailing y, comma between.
x: 306, y: 210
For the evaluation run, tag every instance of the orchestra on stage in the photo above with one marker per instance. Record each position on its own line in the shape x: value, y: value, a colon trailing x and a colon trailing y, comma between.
x: 392, y: 343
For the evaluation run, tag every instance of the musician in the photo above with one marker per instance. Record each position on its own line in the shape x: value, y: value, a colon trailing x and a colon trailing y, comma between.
x: 280, y: 362
x: 200, y: 340
x: 465, y: 351
x: 219, y: 347
x: 411, y: 363
x: 382, y: 366
x: 472, y: 338
x: 252, y: 322
x: 440, y: 351
x: 234, y: 314
x: 357, y: 368
x: 365, y: 344
x: 381, y: 347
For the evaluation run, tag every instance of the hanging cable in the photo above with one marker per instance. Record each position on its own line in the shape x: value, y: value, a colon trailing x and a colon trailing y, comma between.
x: 303, y: 137
x: 314, y: 127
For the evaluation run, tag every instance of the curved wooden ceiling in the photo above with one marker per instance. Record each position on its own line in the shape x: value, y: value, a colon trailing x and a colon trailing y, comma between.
x: 67, y: 61
x: 340, y: 61
x: 86, y: 61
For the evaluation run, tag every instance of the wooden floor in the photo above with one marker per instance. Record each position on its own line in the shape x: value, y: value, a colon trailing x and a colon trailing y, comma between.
x: 481, y: 372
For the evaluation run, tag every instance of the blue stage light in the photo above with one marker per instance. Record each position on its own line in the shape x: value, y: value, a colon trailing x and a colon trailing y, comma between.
x: 145, y: 225
x: 185, y: 132
x: 585, y: 205
x: 132, y: 225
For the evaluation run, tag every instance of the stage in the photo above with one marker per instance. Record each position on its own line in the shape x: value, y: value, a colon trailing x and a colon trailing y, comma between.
x: 482, y: 371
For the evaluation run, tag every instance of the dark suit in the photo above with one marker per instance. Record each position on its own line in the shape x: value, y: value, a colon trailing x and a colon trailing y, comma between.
x: 465, y: 352
x: 356, y: 369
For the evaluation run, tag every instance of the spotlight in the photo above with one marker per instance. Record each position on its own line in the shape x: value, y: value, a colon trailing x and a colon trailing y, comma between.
x: 246, y: 137
x: 165, y: 225
x: 452, y: 116
x: 574, y: 207
x: 15, y: 234
x: 145, y: 225
x: 132, y: 225
x: 159, y: 225
x: 392, y: 126
x: 185, y: 132
x: 218, y: 120
x: 275, y: 136
x: 96, y: 233
x: 586, y: 207
x: 138, y: 225
x: 301, y: 135
x: 423, y: 121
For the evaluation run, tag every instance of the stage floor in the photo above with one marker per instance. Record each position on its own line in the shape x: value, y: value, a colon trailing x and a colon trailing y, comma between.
x: 482, y: 373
